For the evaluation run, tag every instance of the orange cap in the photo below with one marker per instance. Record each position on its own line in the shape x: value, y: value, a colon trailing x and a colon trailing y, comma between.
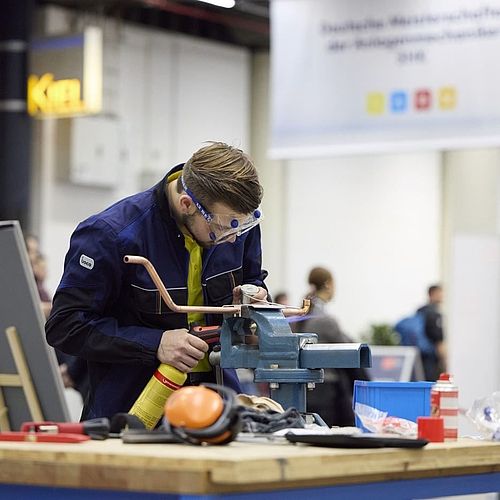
x: 194, y: 407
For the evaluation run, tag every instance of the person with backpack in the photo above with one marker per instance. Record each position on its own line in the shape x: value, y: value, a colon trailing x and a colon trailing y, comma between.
x: 424, y: 330
x: 434, y: 361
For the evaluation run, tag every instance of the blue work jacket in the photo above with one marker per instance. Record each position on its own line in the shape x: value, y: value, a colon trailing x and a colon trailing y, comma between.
x: 111, y: 313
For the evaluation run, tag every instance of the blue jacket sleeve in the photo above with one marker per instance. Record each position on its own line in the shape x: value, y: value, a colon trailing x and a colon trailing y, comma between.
x: 252, y: 260
x: 81, y: 322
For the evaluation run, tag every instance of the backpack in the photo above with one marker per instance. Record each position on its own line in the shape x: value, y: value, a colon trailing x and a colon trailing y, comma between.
x: 412, y: 332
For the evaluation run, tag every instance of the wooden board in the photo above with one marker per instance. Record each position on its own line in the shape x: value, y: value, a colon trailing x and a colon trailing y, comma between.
x: 239, y: 467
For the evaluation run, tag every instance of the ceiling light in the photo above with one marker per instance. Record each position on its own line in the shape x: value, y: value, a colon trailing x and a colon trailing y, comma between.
x: 227, y: 4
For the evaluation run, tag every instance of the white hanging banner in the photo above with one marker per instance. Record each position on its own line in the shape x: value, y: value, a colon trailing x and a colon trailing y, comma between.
x: 387, y: 75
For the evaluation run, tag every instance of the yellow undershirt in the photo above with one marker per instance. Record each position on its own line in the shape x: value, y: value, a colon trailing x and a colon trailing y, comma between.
x: 195, y: 291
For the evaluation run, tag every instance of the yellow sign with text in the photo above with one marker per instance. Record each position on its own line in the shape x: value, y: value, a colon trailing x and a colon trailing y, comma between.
x: 47, y: 96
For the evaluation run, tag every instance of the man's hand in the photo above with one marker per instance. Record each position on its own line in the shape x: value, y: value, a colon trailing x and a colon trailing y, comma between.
x: 181, y: 350
x: 260, y: 296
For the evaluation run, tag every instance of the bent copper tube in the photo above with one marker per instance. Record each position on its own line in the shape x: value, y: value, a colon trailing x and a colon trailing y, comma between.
x: 136, y: 259
x: 297, y: 311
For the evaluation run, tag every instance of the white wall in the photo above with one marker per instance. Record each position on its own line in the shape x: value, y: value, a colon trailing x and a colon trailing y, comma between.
x: 271, y: 175
x: 474, y: 315
x: 375, y: 222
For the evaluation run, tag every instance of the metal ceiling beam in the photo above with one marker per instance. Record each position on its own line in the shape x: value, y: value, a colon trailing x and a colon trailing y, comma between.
x: 234, y: 21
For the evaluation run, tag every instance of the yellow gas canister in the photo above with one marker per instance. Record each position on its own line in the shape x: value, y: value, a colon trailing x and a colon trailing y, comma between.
x: 150, y: 405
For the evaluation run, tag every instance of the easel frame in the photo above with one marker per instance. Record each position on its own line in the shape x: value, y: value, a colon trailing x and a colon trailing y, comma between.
x: 20, y: 379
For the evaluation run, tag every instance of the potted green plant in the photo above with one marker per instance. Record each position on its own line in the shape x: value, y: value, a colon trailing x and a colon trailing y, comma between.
x: 382, y: 334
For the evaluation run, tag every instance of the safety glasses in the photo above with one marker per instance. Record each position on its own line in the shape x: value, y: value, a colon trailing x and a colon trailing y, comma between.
x: 224, y: 227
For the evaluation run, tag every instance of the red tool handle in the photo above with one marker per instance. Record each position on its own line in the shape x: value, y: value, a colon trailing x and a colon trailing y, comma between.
x: 71, y: 428
x: 42, y: 437
x: 95, y: 427
x: 35, y: 426
x: 210, y: 334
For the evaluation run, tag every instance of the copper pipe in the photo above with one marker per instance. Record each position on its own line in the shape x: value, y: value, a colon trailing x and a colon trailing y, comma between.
x: 136, y: 259
x: 295, y: 311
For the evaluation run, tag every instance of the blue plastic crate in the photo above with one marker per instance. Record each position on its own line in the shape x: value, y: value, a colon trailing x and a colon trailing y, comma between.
x: 399, y: 399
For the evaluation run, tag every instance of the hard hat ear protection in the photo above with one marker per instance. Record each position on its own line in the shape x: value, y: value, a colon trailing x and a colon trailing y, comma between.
x: 203, y: 414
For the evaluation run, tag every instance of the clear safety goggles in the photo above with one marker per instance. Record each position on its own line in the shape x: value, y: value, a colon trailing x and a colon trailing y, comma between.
x: 224, y: 227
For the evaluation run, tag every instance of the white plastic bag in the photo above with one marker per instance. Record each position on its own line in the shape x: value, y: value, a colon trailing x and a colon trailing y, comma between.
x: 485, y: 415
x: 379, y: 422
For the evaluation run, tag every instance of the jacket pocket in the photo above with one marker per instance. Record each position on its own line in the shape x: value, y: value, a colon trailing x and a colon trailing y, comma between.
x: 152, y: 311
x: 219, y: 288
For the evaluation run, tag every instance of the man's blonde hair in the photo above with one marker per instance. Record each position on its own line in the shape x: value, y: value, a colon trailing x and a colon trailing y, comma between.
x: 222, y: 173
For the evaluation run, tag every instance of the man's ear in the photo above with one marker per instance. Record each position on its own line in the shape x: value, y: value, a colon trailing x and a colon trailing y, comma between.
x: 186, y: 205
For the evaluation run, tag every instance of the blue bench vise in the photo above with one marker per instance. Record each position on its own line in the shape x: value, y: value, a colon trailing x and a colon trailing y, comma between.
x: 260, y: 338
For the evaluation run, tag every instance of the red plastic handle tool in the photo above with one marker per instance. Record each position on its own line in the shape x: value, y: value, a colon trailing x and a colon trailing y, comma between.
x: 53, y: 427
x: 210, y: 334
x: 43, y: 437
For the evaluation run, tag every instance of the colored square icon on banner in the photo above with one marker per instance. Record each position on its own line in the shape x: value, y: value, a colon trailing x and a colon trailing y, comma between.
x: 399, y: 101
x: 423, y: 99
x: 447, y: 98
x: 375, y: 103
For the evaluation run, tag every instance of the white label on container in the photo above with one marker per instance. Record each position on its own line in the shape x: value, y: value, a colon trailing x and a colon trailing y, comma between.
x: 448, y: 403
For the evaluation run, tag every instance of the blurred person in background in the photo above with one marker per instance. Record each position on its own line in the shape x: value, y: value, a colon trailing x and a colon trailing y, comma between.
x: 282, y: 298
x: 434, y: 362
x: 332, y: 399
x: 32, y: 246
x: 39, y: 267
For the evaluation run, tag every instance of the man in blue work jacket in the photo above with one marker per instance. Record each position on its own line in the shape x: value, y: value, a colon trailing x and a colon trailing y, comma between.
x: 199, y: 228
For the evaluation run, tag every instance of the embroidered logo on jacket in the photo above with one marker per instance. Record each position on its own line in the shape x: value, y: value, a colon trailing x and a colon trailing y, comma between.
x: 87, y: 262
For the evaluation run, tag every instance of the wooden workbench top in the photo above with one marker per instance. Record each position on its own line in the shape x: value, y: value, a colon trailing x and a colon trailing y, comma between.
x: 171, y: 468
